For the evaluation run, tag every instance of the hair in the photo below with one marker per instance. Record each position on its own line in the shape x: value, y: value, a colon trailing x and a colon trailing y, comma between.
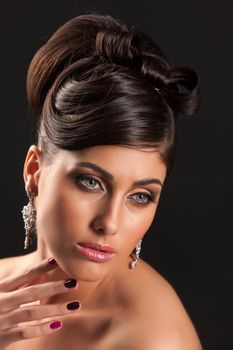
x: 98, y: 81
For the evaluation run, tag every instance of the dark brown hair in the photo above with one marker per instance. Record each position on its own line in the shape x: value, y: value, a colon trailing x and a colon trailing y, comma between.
x: 98, y: 81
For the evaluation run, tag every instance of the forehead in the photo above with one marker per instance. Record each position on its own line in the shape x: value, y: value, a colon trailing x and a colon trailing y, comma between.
x: 118, y: 160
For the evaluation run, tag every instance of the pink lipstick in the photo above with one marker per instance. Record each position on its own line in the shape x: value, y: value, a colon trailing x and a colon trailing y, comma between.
x: 95, y: 251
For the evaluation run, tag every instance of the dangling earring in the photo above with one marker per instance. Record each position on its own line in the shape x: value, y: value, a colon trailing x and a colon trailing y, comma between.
x: 138, y: 249
x: 29, y: 218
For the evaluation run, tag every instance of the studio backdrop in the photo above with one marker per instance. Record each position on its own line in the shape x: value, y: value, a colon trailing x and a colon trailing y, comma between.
x: 190, y: 241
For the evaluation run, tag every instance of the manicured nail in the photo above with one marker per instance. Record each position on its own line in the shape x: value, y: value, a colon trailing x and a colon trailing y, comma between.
x: 73, y: 305
x: 52, y: 262
x: 55, y: 325
x: 70, y: 283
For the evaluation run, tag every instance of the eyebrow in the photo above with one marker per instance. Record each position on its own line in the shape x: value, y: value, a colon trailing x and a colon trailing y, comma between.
x: 109, y: 176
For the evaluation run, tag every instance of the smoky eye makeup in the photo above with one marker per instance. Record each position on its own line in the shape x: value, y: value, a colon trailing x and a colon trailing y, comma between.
x: 90, y: 183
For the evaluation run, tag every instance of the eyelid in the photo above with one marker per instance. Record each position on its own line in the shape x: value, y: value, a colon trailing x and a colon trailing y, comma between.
x: 89, y: 177
x: 101, y: 181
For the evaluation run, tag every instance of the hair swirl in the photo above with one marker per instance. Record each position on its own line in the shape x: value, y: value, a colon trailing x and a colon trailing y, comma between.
x: 97, y: 81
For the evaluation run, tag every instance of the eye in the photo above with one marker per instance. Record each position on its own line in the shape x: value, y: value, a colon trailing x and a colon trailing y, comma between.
x: 144, y: 198
x: 91, y: 184
x: 88, y: 182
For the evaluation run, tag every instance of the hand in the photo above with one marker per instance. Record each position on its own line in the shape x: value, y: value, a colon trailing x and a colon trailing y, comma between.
x: 18, y: 290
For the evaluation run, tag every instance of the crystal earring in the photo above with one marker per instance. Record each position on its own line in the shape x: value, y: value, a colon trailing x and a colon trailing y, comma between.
x: 137, y: 252
x: 29, y: 218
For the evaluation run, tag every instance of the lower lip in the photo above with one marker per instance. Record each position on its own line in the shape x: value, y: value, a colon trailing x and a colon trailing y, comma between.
x: 94, y: 255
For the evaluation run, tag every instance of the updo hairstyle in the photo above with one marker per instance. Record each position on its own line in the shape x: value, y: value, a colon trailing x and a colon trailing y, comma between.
x: 98, y: 81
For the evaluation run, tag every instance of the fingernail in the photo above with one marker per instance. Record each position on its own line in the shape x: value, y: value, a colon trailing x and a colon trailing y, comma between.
x: 55, y: 325
x: 73, y: 305
x: 70, y: 283
x: 52, y: 262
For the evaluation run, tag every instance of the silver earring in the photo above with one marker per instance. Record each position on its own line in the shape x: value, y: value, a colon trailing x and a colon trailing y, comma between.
x: 29, y: 218
x: 137, y: 252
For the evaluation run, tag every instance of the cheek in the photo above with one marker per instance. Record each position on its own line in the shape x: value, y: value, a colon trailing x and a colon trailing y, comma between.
x: 60, y: 217
x: 134, y: 227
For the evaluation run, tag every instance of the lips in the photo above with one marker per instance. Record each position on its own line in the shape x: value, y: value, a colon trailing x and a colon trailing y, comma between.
x: 97, y: 246
x: 94, y: 254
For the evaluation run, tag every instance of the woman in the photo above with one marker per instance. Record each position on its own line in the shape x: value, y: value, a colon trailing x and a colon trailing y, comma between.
x: 107, y: 101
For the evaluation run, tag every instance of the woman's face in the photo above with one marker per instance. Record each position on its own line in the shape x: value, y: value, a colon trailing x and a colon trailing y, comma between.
x: 76, y: 202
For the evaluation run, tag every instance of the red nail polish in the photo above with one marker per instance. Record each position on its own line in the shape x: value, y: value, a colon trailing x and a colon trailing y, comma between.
x: 52, y: 262
x: 55, y: 325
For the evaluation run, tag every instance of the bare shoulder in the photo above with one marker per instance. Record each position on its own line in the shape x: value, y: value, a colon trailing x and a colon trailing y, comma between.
x: 158, y: 319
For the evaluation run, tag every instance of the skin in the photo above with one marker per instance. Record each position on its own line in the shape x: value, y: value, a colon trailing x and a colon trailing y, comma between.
x: 114, y: 214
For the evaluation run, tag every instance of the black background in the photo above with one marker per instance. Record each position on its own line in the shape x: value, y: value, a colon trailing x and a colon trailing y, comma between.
x: 190, y: 241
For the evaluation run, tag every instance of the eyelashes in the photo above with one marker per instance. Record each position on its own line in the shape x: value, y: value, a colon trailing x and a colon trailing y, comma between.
x: 89, y: 183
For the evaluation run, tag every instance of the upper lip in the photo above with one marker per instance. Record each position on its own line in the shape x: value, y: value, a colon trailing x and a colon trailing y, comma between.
x: 93, y: 245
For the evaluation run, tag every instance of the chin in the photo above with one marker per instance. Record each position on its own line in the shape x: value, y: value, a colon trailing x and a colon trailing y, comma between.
x: 83, y: 269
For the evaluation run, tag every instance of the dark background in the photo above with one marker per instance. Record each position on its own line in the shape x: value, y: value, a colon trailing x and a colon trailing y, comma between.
x: 190, y: 241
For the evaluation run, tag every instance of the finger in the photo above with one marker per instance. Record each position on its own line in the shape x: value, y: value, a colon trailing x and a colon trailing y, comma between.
x: 26, y: 276
x: 12, y: 300
x: 26, y: 332
x: 37, y: 312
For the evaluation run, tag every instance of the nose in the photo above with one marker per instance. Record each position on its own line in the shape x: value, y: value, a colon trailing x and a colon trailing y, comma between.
x: 108, y: 217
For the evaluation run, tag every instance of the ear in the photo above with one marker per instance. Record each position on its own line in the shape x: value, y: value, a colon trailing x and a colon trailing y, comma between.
x: 32, y: 169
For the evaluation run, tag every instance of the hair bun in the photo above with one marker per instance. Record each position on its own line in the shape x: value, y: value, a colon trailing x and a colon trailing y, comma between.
x: 183, y: 102
x: 119, y: 47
